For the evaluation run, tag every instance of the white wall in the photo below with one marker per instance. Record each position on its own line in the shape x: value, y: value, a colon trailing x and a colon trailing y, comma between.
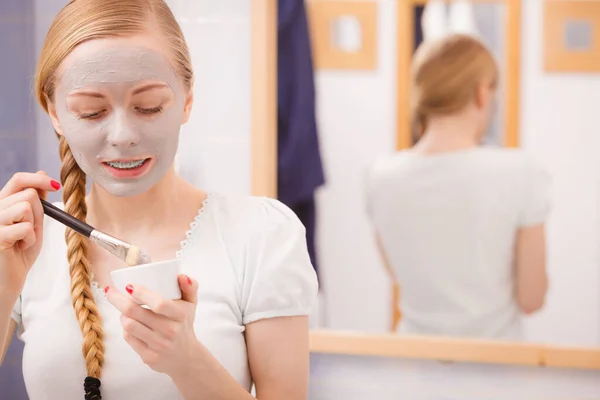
x: 559, y: 120
x: 214, y: 151
x: 559, y: 124
x: 356, y: 116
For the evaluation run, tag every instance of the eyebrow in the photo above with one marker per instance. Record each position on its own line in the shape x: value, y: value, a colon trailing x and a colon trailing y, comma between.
x: 150, y: 86
x: 84, y: 93
x: 157, y: 85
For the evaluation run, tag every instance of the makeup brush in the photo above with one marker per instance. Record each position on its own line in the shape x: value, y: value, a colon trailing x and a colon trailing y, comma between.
x: 132, y: 255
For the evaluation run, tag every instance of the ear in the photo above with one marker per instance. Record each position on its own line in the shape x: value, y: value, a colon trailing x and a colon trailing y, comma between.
x: 483, y: 95
x: 54, y: 117
x: 187, y: 108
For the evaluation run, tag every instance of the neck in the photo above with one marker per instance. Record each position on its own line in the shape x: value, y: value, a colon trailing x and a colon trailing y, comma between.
x: 447, y: 134
x: 126, y: 216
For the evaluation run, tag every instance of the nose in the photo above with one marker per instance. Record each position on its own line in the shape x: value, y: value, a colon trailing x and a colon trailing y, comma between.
x: 122, y: 133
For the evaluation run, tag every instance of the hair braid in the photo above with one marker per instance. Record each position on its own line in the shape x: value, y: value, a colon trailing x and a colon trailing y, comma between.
x: 74, y: 190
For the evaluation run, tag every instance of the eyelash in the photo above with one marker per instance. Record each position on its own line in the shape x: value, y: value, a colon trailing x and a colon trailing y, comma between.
x: 145, y: 111
x: 148, y: 111
x: 93, y: 115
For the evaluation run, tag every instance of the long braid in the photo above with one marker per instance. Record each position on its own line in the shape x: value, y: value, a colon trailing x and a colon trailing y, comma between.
x: 74, y: 190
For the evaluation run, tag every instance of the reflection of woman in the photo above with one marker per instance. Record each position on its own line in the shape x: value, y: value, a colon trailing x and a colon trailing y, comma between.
x: 116, y: 79
x: 461, y: 226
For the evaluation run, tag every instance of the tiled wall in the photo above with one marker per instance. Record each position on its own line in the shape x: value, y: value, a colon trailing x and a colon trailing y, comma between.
x: 17, y: 135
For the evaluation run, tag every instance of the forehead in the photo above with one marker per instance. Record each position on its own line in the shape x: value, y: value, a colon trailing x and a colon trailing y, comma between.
x: 116, y: 61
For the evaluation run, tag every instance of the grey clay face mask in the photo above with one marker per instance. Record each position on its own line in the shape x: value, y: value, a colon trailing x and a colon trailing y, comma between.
x: 122, y: 131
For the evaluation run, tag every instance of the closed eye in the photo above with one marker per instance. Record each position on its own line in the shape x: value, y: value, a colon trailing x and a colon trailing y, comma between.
x: 93, y: 115
x: 149, y: 111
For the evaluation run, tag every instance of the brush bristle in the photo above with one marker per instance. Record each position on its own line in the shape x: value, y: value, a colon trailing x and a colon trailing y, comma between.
x: 137, y: 256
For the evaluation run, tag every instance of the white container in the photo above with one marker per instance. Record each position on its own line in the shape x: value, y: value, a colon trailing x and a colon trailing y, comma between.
x: 160, y: 277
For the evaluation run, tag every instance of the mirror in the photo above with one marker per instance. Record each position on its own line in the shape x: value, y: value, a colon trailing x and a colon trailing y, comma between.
x: 363, y: 112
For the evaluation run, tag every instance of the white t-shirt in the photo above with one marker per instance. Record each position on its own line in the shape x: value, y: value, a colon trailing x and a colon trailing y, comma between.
x: 250, y: 258
x: 448, y: 224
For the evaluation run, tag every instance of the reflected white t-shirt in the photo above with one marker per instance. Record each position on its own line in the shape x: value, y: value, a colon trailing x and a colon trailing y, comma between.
x: 448, y: 224
x: 250, y: 258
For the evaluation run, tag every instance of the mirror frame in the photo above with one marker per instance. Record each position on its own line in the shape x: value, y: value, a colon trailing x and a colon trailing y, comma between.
x: 405, y: 35
x: 263, y: 98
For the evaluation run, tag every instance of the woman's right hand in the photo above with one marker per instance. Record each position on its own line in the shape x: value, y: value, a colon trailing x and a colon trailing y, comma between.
x: 21, y: 226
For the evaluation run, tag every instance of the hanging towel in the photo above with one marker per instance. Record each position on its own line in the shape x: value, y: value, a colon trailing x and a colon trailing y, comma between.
x: 300, y: 170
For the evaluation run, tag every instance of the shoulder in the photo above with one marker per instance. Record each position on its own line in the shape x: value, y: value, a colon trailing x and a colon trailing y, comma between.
x: 252, y: 214
x: 386, y: 165
x: 512, y: 156
x: 266, y: 243
x: 514, y: 162
x: 249, y: 224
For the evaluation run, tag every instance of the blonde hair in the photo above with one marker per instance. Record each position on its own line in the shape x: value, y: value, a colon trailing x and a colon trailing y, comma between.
x: 80, y: 21
x: 446, y: 75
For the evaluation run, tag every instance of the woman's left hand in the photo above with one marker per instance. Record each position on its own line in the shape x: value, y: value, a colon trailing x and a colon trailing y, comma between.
x: 162, y: 335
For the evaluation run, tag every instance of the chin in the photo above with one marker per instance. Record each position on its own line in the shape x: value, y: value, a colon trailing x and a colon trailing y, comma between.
x: 126, y: 189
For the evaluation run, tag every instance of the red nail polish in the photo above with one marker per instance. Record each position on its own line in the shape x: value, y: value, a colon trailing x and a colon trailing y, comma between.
x: 189, y: 281
x: 55, y: 185
x: 129, y: 289
x: 106, y: 289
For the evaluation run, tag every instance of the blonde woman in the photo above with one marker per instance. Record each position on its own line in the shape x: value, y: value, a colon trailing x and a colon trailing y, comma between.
x: 116, y: 80
x: 460, y: 226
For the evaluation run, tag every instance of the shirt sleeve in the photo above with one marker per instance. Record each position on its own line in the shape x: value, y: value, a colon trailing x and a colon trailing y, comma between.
x: 279, y: 279
x: 369, y: 184
x: 16, y: 311
x: 537, y: 203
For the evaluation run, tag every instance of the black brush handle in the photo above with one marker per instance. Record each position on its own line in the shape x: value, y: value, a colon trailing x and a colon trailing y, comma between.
x: 66, y: 219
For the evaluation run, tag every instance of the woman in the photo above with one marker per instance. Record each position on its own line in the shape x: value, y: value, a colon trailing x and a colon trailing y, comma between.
x: 116, y: 79
x: 460, y: 226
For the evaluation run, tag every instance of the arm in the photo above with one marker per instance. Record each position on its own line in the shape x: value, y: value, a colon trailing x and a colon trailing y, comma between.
x: 385, y: 260
x: 278, y: 356
x: 7, y: 324
x: 530, y: 264
x: 395, y: 285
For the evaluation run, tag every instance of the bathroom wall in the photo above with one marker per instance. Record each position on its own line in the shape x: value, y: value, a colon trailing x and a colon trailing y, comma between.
x: 17, y: 135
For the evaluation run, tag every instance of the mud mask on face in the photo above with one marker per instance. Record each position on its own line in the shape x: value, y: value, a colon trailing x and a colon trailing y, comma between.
x: 121, y: 131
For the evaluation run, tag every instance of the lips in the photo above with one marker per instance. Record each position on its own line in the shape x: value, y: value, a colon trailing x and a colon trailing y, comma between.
x: 126, y: 164
x: 127, y: 168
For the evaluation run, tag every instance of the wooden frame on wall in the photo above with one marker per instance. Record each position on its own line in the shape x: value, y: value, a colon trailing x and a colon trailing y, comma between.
x: 558, y: 57
x: 263, y: 135
x: 322, y: 13
x: 406, y: 25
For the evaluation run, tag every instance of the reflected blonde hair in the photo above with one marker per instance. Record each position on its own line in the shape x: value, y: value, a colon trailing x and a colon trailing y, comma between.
x: 78, y: 22
x: 446, y: 75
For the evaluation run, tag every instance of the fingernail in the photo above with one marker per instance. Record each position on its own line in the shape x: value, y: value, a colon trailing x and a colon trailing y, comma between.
x: 189, y: 281
x: 129, y: 289
x: 106, y: 289
x: 55, y: 184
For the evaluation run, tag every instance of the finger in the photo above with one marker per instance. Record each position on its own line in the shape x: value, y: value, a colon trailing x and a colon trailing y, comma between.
x: 25, y: 180
x: 11, y: 234
x: 138, y: 330
x: 42, y: 193
x: 189, y: 289
x: 137, y: 344
x: 32, y: 197
x: 131, y: 309
x: 155, y: 302
x: 19, y: 212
